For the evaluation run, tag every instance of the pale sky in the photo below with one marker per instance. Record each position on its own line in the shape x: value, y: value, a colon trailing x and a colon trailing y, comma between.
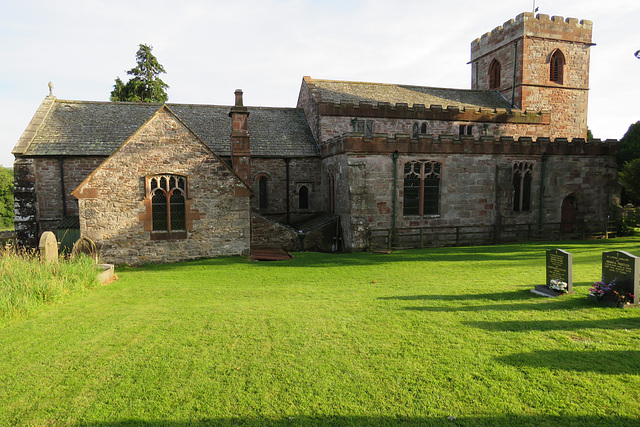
x: 210, y: 48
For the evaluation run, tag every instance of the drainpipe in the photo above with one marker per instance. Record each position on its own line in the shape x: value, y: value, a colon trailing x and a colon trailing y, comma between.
x: 62, y: 187
x: 286, y: 164
x: 395, y: 192
x: 542, y: 173
x: 515, y: 67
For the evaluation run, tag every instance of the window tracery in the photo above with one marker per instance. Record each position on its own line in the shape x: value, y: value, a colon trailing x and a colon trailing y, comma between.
x: 422, y: 188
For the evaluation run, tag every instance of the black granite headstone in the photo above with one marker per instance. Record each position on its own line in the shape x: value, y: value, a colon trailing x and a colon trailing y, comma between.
x: 624, y: 268
x: 560, y: 268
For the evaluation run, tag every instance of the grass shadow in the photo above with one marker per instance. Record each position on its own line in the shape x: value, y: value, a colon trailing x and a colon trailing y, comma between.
x: 556, y: 325
x: 604, y: 362
x: 301, y: 420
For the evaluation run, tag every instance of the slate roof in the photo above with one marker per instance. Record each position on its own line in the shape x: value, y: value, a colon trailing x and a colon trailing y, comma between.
x: 83, y: 128
x: 342, y: 91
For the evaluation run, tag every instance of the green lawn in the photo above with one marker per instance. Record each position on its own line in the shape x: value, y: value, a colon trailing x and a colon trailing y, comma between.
x: 410, y: 338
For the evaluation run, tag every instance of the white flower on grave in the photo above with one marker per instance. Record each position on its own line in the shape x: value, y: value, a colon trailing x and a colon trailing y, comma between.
x: 558, y: 285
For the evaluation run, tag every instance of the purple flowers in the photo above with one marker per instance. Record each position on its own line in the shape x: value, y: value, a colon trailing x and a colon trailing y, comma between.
x: 601, y: 289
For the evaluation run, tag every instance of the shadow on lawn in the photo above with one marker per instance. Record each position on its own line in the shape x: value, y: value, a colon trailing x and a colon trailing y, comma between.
x: 556, y: 325
x: 497, y: 301
x: 508, y: 253
x: 494, y: 296
x: 511, y: 420
x: 603, y: 362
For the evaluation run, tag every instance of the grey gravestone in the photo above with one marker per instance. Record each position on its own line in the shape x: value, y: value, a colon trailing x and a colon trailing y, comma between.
x: 624, y: 268
x: 559, y: 267
x: 48, y: 247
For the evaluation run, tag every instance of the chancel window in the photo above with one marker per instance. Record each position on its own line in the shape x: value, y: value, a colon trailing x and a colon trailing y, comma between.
x: 556, y: 66
x: 168, y: 195
x: 522, y: 178
x: 494, y: 75
x: 422, y: 188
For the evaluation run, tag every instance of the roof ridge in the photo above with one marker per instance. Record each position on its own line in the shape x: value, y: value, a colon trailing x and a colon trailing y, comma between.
x: 406, y: 85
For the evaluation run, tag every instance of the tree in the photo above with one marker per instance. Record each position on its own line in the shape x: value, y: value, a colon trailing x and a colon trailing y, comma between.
x: 145, y: 85
x: 589, y: 135
x: 630, y: 180
x: 629, y: 145
x: 6, y: 197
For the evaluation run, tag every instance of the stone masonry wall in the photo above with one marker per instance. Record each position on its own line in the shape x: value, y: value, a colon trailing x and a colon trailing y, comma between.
x: 332, y: 126
x: 48, y: 186
x: 536, y: 38
x: 470, y: 191
x: 302, y: 171
x: 306, y: 101
x: 25, y: 203
x: 266, y: 232
x: 112, y: 199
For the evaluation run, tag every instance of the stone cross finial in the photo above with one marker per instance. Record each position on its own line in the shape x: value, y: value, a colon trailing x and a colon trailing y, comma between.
x: 50, y: 89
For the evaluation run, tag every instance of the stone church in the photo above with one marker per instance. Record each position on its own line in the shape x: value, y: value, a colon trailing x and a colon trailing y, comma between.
x: 162, y: 183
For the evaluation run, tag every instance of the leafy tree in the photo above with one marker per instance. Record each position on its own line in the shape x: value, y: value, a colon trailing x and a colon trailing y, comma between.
x: 630, y: 179
x: 6, y: 197
x: 629, y: 145
x: 145, y: 85
x: 589, y: 134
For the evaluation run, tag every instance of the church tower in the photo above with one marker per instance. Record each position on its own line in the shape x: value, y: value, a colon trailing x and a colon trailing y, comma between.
x: 539, y: 63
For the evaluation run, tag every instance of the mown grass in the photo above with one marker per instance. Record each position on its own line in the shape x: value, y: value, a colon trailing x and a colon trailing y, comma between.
x: 26, y: 283
x: 410, y: 338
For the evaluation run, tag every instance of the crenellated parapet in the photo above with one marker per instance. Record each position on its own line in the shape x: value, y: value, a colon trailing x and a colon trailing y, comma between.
x: 528, y: 24
x: 432, y: 112
x: 356, y: 143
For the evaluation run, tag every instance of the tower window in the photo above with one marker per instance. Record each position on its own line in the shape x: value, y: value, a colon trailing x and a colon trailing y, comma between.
x: 494, y: 75
x: 556, y: 67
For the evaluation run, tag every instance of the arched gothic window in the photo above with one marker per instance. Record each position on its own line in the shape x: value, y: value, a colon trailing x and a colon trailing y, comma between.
x: 262, y: 192
x: 168, y: 195
x: 303, y: 197
x: 494, y: 75
x: 421, y: 188
x: 522, y: 178
x: 556, y: 66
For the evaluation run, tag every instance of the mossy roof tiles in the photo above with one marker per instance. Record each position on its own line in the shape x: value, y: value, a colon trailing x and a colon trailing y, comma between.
x: 356, y: 92
x: 80, y: 128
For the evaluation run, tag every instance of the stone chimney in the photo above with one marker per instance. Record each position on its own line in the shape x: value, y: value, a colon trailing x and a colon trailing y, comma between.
x: 240, y: 146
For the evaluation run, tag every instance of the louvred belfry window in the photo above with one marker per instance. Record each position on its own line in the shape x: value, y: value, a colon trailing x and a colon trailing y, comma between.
x: 494, y: 75
x: 168, y: 209
x: 556, y: 67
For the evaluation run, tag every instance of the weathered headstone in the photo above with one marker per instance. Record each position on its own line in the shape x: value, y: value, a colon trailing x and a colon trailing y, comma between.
x: 48, y: 247
x: 84, y: 245
x: 623, y: 268
x: 559, y: 269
